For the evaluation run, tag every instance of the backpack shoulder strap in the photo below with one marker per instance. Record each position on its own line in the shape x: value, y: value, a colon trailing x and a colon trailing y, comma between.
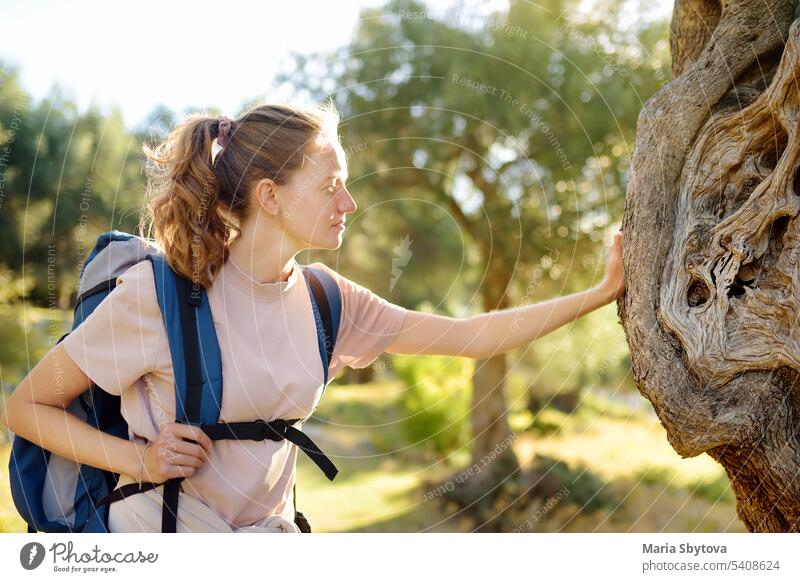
x: 326, y: 303
x: 193, y: 345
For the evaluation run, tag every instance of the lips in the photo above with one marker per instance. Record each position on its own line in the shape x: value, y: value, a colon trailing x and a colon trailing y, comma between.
x: 341, y: 222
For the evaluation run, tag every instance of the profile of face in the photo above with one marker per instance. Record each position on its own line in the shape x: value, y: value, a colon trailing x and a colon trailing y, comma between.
x: 311, y: 208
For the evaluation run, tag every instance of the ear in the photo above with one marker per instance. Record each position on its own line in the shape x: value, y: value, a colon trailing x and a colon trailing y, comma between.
x: 265, y: 196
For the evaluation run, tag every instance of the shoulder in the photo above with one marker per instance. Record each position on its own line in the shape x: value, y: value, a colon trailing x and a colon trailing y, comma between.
x: 342, y: 282
x: 327, y: 269
x: 347, y: 287
x: 137, y: 287
x: 139, y: 275
x: 354, y: 295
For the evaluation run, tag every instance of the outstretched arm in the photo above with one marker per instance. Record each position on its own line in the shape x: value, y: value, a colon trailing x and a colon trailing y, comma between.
x: 487, y: 334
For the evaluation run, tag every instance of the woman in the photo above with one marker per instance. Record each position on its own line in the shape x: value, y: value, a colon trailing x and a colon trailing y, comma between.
x: 233, y: 220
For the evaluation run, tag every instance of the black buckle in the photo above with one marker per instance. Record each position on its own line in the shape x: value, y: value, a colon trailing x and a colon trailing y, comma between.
x: 275, y: 430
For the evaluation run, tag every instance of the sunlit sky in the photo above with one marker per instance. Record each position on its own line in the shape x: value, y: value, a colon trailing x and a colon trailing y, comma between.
x: 137, y: 55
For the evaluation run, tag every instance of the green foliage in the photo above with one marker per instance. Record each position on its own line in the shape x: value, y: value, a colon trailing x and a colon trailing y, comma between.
x: 582, y: 487
x: 715, y: 490
x: 548, y: 422
x: 12, y: 287
x: 66, y: 177
x: 591, y: 351
x: 26, y: 335
x: 435, y: 403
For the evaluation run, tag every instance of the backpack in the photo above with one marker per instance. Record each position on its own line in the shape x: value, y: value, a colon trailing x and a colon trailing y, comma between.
x: 58, y: 495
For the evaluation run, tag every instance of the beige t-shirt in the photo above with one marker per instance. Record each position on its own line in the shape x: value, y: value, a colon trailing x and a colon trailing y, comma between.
x: 271, y: 368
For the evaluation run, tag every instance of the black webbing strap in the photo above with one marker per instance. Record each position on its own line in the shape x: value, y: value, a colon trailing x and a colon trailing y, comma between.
x: 127, y: 490
x: 275, y: 430
x: 188, y: 301
x: 256, y: 430
x: 109, y: 285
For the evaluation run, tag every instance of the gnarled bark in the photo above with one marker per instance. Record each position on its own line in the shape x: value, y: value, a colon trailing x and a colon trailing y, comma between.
x: 713, y: 206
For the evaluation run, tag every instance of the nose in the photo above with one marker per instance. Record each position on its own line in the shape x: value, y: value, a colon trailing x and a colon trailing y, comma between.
x: 346, y: 203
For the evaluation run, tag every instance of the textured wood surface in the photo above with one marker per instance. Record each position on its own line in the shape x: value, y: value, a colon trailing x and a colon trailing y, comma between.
x: 711, y: 249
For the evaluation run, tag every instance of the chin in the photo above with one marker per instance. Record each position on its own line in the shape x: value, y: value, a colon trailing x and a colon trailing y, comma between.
x: 327, y: 245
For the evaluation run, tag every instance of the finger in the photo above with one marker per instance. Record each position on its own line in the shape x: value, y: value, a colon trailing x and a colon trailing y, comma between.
x: 194, y: 433
x: 200, y: 437
x: 179, y: 471
x: 183, y: 460
x: 190, y: 449
x: 169, y: 451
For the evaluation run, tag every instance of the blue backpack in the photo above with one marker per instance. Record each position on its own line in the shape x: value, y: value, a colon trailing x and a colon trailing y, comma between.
x: 58, y: 495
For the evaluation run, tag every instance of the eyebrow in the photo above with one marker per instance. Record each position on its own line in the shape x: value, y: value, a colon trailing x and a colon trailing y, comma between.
x: 345, y: 175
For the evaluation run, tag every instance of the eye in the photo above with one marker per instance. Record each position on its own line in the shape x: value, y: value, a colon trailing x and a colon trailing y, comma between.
x: 331, y: 188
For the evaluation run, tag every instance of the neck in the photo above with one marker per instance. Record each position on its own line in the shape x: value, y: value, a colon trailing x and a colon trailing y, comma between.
x: 264, y: 252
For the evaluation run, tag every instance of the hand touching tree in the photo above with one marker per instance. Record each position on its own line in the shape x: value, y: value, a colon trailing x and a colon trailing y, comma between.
x: 614, y: 278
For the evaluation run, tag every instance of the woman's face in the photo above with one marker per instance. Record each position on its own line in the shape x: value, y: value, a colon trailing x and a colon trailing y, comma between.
x: 314, y: 203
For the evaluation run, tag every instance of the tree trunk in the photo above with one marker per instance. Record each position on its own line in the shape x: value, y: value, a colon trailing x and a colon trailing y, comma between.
x: 491, y: 433
x: 711, y: 250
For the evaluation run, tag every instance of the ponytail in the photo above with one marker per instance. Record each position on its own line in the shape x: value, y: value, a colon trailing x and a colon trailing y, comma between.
x: 183, y: 214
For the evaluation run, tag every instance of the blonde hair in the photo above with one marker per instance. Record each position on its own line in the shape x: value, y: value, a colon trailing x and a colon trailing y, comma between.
x: 196, y: 204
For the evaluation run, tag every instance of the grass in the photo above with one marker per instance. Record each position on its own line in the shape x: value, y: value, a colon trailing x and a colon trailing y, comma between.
x: 377, y: 487
x: 627, y: 449
x: 383, y: 489
x: 659, y: 490
x: 10, y: 521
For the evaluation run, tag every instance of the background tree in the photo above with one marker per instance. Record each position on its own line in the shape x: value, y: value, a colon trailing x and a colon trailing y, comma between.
x: 500, y: 144
x: 711, y: 249
x: 67, y: 176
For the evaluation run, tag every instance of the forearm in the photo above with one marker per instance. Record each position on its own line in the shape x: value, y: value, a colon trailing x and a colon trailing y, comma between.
x: 502, y: 331
x: 63, y: 433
